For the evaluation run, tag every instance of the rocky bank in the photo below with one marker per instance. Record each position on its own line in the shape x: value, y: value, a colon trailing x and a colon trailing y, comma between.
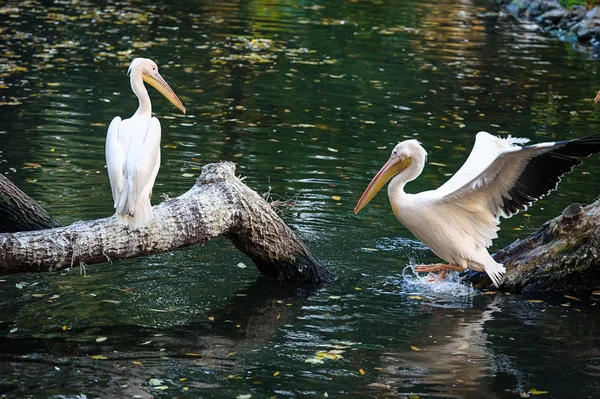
x: 578, y: 25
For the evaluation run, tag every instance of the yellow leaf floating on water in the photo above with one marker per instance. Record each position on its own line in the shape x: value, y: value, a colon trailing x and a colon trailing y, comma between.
x: 211, y: 318
x: 275, y: 374
x: 137, y: 363
x: 361, y: 371
x: 415, y: 348
x: 193, y: 354
x: 358, y: 288
x: 99, y: 357
x: 415, y: 297
x: 64, y: 328
x: 534, y: 391
x: 573, y: 298
x: 336, y: 197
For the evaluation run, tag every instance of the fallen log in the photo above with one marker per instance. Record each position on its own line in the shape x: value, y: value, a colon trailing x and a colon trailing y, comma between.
x: 562, y: 257
x: 218, y: 204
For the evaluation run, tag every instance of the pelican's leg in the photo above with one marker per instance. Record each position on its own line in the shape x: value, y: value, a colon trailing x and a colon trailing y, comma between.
x: 439, y: 267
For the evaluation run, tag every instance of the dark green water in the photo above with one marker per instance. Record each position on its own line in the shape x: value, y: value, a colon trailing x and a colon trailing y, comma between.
x: 308, y: 99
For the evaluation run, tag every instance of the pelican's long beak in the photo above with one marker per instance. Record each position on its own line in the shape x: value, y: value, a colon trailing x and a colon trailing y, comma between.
x: 389, y: 170
x: 157, y: 81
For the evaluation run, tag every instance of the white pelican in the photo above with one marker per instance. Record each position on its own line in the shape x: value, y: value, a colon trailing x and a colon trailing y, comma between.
x: 459, y: 220
x: 133, y: 147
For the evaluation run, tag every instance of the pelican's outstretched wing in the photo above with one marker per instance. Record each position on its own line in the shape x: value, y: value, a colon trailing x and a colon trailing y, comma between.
x: 116, y: 154
x: 509, y: 178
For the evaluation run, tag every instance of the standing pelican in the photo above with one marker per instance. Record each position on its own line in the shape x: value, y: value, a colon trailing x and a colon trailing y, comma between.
x: 133, y: 147
x: 459, y: 220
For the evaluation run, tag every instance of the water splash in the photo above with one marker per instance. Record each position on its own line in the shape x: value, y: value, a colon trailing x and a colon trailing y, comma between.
x: 431, y: 284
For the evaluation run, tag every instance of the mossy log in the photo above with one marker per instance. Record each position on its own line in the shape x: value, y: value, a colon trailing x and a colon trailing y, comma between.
x: 218, y: 204
x: 562, y: 257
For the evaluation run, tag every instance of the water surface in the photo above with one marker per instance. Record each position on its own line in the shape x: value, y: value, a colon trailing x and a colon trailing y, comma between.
x: 308, y: 99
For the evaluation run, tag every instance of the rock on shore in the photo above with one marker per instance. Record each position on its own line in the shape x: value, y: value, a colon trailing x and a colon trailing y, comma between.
x: 577, y: 24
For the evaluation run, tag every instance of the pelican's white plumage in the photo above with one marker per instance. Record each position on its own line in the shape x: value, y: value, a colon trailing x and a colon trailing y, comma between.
x: 459, y: 220
x: 133, y: 148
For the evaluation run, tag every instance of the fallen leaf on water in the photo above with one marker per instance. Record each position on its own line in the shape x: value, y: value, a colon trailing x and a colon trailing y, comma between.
x: 32, y: 165
x: 357, y: 288
x: 98, y: 124
x: 278, y: 316
x: 64, y: 328
x: 415, y: 297
x: 489, y: 293
x: 101, y: 339
x: 573, y: 298
x: 336, y: 197
x: 192, y: 354
x: 361, y: 371
x: 275, y: 374
x: 534, y: 300
x: 211, y: 318
x: 314, y: 360
x: 154, y: 382
x: 335, y: 297
x: 137, y: 363
x: 185, y: 388
x: 99, y: 357
x: 536, y: 392
x: 415, y: 348
x: 188, y: 175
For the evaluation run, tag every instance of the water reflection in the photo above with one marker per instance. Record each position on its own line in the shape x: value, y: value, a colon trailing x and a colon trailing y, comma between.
x: 449, y: 357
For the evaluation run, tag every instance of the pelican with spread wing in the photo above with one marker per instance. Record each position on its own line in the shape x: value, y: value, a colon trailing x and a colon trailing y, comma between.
x: 133, y: 147
x: 459, y: 220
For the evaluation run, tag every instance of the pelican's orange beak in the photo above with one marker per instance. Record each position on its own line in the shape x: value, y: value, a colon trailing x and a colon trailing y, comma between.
x: 157, y: 81
x: 389, y: 170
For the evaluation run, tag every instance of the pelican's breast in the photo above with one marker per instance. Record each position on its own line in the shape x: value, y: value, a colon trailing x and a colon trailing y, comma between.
x: 435, y: 226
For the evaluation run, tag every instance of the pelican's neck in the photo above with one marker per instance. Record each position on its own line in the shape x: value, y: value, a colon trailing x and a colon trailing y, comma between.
x: 137, y: 85
x: 396, y: 186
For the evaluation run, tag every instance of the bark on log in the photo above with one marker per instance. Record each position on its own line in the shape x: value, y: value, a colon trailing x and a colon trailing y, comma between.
x: 218, y: 204
x: 18, y: 212
x: 562, y: 257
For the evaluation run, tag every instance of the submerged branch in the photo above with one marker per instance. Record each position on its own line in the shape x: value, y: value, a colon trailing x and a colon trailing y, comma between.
x: 563, y: 256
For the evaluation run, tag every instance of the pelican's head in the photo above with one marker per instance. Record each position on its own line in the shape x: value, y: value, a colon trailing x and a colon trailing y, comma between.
x: 404, y: 155
x: 149, y: 71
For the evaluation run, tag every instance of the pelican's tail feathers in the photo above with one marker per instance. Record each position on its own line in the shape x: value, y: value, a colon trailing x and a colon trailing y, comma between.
x: 139, y: 216
x: 495, y: 271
